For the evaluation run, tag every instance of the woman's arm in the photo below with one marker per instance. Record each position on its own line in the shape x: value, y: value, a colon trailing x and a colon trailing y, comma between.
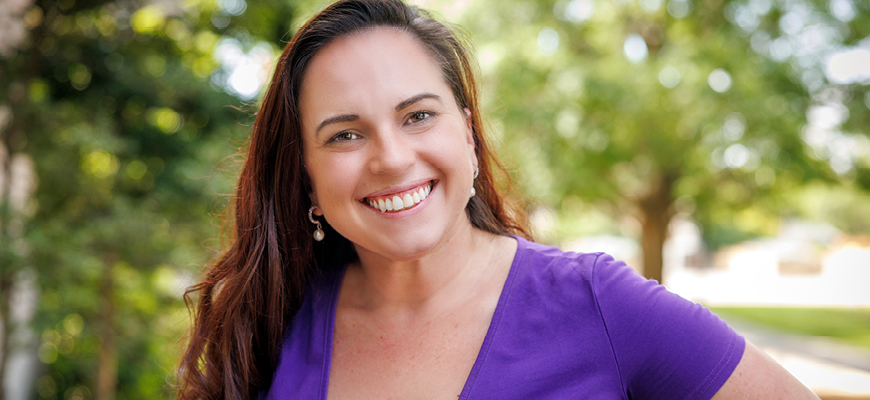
x: 758, y: 376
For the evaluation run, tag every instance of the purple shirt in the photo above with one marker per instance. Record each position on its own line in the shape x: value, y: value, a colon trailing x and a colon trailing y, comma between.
x: 567, y: 326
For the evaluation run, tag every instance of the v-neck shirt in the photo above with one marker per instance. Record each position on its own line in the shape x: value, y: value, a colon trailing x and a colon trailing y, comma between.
x: 567, y: 326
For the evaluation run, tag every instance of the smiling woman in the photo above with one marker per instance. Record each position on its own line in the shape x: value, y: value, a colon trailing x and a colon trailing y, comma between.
x: 374, y: 256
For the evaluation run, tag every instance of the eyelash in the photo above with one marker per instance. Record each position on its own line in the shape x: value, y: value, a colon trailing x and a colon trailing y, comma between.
x: 425, y: 115
x: 342, y: 136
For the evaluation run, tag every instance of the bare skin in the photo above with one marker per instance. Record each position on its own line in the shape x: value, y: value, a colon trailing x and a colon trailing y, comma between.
x: 420, y: 342
x: 758, y: 376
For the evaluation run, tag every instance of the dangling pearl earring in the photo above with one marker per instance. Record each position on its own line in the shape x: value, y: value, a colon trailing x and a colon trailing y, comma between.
x: 476, y: 171
x: 318, y: 233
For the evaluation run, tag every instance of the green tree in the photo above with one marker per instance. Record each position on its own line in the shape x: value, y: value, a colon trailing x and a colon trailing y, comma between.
x: 642, y: 103
x: 123, y: 108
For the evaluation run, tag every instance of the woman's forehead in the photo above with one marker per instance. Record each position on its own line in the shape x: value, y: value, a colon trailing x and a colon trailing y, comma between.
x: 376, y: 65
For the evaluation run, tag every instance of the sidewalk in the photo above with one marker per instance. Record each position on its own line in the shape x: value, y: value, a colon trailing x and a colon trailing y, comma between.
x: 833, y: 370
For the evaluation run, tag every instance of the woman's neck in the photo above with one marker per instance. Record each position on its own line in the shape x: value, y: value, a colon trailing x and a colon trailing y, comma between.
x: 447, y: 275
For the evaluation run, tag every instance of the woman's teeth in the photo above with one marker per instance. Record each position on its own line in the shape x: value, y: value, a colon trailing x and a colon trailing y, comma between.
x: 397, y: 203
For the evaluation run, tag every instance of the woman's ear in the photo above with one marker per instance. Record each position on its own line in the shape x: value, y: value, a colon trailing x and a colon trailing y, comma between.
x: 317, y: 211
x: 469, y: 126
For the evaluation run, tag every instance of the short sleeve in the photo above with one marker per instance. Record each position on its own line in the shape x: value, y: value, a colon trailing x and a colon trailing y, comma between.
x: 665, y: 346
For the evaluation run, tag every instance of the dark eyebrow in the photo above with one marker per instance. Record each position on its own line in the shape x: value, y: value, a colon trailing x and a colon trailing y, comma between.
x: 335, y: 120
x: 403, y: 105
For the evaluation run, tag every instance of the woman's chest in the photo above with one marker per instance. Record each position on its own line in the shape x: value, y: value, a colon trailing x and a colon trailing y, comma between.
x: 430, y: 360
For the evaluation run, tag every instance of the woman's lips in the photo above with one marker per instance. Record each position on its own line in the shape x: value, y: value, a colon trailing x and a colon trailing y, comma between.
x: 400, y: 201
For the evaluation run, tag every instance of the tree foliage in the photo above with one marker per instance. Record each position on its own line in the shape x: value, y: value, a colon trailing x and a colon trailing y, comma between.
x: 118, y: 106
x: 644, y: 103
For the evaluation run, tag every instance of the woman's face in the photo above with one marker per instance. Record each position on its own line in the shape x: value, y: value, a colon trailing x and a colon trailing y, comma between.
x: 381, y: 130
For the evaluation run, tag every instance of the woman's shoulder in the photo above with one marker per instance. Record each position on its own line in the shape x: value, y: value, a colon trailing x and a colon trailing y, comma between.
x: 654, y: 336
x: 565, y: 267
x: 617, y: 289
x: 567, y: 284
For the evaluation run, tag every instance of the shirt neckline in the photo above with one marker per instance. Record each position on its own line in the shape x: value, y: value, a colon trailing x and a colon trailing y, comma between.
x: 484, y: 347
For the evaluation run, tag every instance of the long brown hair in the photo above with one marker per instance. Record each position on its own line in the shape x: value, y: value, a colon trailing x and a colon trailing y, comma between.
x: 253, y: 289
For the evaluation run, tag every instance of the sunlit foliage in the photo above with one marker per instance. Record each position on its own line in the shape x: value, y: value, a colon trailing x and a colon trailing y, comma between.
x: 119, y: 107
x: 710, y: 108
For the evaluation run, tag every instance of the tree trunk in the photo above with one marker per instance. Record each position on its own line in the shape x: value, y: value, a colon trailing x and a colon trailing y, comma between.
x: 12, y: 141
x: 6, y: 267
x: 107, y: 370
x: 656, y: 213
x: 6, y: 323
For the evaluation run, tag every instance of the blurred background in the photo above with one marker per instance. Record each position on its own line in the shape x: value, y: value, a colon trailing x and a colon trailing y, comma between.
x: 721, y: 147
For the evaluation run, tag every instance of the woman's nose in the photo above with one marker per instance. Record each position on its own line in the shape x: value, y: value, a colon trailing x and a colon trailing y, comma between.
x: 393, y: 153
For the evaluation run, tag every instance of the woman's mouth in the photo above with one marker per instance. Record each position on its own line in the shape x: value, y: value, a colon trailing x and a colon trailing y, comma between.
x: 400, y: 201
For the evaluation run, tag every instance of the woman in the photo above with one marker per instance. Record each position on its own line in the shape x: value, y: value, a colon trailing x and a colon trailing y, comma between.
x: 372, y: 256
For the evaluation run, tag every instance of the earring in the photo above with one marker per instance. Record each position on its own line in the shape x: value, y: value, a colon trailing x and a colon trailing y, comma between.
x: 476, y: 171
x: 318, y: 233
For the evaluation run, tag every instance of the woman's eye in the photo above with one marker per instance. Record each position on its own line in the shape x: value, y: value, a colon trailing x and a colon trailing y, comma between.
x: 418, y: 116
x: 345, y: 136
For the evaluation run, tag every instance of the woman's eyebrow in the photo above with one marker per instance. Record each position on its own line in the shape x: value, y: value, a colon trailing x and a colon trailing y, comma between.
x: 406, y: 103
x: 336, y: 119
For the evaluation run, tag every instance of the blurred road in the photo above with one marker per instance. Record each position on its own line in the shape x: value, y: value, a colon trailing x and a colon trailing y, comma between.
x: 833, y: 370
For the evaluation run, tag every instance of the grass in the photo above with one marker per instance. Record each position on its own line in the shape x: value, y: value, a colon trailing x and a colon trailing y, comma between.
x: 849, y: 325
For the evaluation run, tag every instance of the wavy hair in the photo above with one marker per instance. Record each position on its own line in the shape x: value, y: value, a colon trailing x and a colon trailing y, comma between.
x: 250, y: 293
